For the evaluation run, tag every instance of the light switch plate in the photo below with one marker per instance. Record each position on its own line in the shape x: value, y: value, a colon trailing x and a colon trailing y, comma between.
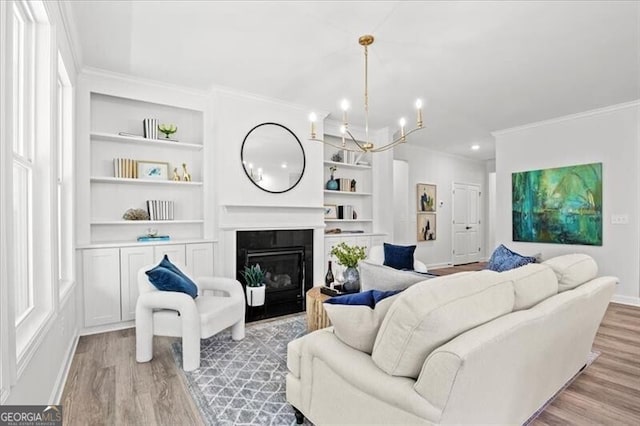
x: 619, y: 219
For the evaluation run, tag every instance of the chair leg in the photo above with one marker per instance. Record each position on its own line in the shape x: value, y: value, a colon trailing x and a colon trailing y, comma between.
x: 190, y: 352
x: 299, y: 415
x: 237, y: 330
x: 144, y: 334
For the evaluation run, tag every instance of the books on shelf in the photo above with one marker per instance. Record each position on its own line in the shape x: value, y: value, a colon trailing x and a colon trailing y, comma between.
x: 346, y: 212
x: 154, y: 238
x: 125, y: 168
x: 150, y: 127
x: 345, y: 184
x: 160, y: 209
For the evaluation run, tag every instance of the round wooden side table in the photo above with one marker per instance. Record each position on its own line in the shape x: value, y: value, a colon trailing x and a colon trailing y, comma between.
x: 317, y: 317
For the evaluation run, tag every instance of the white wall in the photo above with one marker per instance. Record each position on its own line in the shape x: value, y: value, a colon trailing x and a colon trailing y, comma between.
x: 244, y: 206
x: 428, y: 166
x: 610, y: 136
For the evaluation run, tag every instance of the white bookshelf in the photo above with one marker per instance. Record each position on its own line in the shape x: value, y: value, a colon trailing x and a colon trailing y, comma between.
x: 111, y: 109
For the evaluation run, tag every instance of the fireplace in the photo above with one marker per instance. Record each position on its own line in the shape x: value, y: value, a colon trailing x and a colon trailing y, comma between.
x: 287, y: 258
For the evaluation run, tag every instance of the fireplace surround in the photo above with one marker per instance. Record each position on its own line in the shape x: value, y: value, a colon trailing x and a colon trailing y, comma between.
x: 287, y: 257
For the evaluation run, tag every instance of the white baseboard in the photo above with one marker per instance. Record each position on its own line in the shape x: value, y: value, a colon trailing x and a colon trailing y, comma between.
x: 626, y: 300
x: 106, y: 328
x: 439, y: 265
x: 61, y: 380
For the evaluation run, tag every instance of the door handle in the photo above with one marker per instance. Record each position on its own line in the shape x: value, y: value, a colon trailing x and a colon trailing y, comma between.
x: 467, y: 227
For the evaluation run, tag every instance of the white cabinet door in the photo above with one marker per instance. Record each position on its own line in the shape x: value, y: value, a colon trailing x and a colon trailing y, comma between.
x: 200, y: 259
x: 175, y: 252
x: 101, y: 281
x: 131, y: 260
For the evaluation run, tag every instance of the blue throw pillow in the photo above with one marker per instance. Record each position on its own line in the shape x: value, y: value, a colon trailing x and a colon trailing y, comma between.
x: 399, y: 257
x: 504, y: 259
x: 166, y: 279
x: 366, y: 298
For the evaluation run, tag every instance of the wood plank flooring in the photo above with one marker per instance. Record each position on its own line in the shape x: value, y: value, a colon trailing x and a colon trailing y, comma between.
x: 106, y: 386
x: 475, y: 266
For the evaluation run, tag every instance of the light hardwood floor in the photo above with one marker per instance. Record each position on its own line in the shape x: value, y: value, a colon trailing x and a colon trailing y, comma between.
x: 107, y: 386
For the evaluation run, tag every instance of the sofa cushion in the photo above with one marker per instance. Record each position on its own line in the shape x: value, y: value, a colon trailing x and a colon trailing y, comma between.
x: 572, y: 270
x: 503, y: 259
x: 380, y: 277
x: 357, y: 325
x: 532, y: 284
x: 399, y: 257
x: 428, y: 314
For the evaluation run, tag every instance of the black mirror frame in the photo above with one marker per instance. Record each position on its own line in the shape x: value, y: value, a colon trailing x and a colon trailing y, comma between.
x: 304, y: 158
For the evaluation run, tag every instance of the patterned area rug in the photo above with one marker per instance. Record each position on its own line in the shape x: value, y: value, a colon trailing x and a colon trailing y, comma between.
x: 243, y: 383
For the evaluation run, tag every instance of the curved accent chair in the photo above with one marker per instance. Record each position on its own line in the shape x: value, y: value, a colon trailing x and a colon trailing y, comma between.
x: 169, y: 313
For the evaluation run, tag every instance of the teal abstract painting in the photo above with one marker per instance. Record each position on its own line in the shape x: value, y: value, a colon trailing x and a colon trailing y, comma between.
x: 560, y: 206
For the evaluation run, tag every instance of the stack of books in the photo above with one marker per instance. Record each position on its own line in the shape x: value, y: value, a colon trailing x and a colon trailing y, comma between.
x: 150, y: 127
x: 344, y: 184
x: 346, y: 212
x: 125, y: 168
x: 160, y: 210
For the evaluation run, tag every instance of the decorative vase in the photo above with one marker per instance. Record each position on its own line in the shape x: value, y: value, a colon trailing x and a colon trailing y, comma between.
x: 351, y: 280
x: 255, y: 295
x: 332, y: 184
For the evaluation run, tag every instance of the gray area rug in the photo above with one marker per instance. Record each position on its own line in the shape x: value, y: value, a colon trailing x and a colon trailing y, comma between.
x: 243, y: 383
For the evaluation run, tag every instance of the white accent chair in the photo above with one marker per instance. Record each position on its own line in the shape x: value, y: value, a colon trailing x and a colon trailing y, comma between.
x: 169, y: 313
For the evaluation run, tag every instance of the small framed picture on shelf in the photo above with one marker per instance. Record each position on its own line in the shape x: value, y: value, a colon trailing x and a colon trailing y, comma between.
x: 330, y: 211
x: 156, y: 170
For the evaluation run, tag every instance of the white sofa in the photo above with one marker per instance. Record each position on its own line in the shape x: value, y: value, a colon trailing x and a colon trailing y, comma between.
x: 470, y: 348
x: 375, y: 275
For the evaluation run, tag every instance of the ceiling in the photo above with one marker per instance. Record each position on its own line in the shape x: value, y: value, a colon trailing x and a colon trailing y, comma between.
x: 480, y: 66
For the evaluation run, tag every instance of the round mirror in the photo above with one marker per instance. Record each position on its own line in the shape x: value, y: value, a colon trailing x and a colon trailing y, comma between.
x: 273, y: 157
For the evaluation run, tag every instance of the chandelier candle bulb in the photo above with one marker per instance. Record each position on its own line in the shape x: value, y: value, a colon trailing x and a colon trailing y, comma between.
x: 402, y: 123
x: 419, y: 107
x: 312, y: 119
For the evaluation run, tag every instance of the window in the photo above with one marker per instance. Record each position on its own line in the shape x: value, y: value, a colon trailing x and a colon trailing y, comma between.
x: 23, y: 121
x: 64, y: 180
x: 32, y: 241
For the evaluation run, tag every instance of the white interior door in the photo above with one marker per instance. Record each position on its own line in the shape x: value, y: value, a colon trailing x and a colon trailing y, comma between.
x: 466, y: 223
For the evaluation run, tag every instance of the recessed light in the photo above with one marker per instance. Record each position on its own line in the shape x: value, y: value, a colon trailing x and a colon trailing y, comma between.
x: 475, y: 147
x: 283, y: 165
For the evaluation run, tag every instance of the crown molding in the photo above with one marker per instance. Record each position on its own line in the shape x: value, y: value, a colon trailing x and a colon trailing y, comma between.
x: 71, y: 32
x: 225, y: 90
x: 128, y: 78
x: 597, y: 111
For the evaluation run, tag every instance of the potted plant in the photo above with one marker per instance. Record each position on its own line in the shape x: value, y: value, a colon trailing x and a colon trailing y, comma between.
x: 349, y: 256
x: 255, y: 288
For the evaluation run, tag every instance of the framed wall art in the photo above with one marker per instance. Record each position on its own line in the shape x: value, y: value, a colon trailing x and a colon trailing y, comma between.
x: 562, y: 205
x: 426, y: 197
x: 426, y: 227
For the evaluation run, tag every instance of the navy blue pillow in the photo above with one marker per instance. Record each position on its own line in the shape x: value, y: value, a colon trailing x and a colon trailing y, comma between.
x: 166, y: 263
x: 504, y: 259
x: 366, y: 298
x: 167, y: 280
x: 399, y: 257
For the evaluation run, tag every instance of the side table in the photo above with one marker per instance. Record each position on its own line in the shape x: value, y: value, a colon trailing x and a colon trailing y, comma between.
x: 317, y: 317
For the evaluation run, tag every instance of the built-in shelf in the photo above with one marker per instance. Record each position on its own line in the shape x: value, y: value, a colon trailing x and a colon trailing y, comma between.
x: 145, y: 222
x: 354, y: 234
x: 346, y: 165
x: 348, y: 220
x: 117, y: 244
x: 142, y: 181
x: 110, y: 137
x: 363, y: 194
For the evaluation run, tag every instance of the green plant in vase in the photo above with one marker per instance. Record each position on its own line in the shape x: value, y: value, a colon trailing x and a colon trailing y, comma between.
x: 349, y: 256
x: 255, y: 289
x: 168, y: 129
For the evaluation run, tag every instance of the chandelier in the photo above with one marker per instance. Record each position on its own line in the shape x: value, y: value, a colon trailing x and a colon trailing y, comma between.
x: 367, y: 145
